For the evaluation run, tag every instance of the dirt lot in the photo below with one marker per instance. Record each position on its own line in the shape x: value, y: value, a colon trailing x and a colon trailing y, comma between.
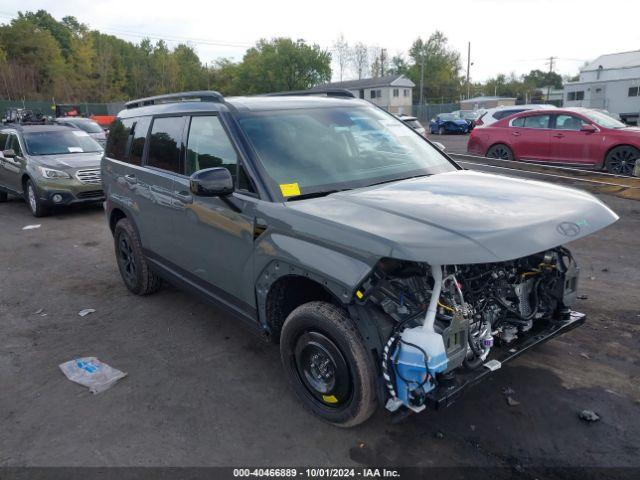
x: 201, y: 390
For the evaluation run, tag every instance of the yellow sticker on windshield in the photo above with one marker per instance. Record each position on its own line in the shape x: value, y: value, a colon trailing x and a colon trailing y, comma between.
x: 289, y: 189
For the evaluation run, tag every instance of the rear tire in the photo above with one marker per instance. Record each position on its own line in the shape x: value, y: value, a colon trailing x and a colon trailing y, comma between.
x: 500, y: 151
x: 328, y: 365
x: 622, y: 160
x: 133, y: 265
x: 37, y: 208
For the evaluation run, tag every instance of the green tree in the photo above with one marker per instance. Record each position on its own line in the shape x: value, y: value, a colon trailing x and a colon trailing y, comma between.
x: 540, y: 79
x: 282, y: 64
x: 440, y: 65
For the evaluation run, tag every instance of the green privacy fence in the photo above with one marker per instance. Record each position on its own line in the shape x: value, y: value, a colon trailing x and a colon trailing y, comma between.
x: 47, y: 108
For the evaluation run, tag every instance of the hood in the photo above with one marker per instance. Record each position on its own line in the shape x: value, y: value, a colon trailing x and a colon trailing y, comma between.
x: 461, y: 217
x: 458, y: 121
x: 69, y: 160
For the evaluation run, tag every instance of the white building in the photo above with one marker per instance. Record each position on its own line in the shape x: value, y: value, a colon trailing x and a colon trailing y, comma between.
x: 610, y: 82
x: 394, y: 93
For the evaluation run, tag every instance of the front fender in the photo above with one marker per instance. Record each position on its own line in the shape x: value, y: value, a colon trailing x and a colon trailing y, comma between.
x: 278, y: 255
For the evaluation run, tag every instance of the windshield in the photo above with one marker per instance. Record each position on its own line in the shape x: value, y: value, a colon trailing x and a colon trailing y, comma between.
x: 86, y: 125
x: 469, y: 114
x: 327, y: 149
x: 603, y: 119
x: 60, y: 142
x: 447, y: 116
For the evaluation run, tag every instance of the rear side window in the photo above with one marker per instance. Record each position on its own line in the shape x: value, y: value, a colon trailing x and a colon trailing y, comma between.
x: 208, y: 146
x: 165, y: 143
x: 140, y: 130
x: 118, y: 142
x: 536, y: 121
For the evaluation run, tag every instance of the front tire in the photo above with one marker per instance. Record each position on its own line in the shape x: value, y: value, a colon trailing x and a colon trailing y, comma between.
x: 622, y: 160
x: 500, y: 151
x: 133, y: 265
x: 328, y: 365
x: 37, y: 208
x: 441, y: 131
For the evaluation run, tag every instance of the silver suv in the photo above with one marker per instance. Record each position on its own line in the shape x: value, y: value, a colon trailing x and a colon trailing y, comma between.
x: 387, y: 274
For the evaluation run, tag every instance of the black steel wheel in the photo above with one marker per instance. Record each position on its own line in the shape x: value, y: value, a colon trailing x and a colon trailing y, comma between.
x: 500, y: 151
x: 622, y: 160
x: 134, y: 268
x: 328, y: 365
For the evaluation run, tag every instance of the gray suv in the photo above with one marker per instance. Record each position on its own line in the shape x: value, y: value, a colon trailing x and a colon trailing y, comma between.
x: 387, y: 274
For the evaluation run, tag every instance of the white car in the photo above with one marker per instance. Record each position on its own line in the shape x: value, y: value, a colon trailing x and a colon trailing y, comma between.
x: 492, y: 115
x: 414, y: 123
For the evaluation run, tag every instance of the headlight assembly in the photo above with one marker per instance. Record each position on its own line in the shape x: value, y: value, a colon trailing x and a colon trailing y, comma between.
x: 51, y: 173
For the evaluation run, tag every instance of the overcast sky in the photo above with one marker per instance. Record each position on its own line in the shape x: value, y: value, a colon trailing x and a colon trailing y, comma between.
x: 506, y: 35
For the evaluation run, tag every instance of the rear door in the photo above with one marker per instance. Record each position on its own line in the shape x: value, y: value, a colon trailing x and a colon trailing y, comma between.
x: 215, y: 235
x: 570, y: 145
x: 531, y: 136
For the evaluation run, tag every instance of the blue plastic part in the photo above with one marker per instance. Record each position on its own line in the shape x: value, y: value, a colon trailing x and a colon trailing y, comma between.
x: 411, y: 370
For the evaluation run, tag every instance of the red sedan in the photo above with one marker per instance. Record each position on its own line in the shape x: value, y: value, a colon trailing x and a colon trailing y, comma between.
x: 571, y: 136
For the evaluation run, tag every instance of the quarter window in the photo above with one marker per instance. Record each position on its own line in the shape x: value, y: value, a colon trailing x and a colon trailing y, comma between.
x: 165, y: 143
x: 139, y: 136
x: 536, y: 121
x: 118, y: 143
x: 209, y: 146
x: 568, y: 122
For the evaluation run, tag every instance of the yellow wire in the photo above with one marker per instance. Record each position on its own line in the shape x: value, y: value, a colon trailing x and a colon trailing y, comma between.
x: 445, y: 307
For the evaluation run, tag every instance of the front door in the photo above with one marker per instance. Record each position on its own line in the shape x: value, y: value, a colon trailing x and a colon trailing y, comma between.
x: 215, y: 235
x: 13, y: 166
x: 569, y: 144
x: 532, y: 138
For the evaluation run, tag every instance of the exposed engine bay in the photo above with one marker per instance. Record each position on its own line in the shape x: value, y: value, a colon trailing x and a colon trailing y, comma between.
x: 448, y: 318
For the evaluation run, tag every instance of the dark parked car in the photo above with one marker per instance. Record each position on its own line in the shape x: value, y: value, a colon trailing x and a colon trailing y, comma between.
x: 448, y: 123
x: 387, y: 274
x: 572, y: 136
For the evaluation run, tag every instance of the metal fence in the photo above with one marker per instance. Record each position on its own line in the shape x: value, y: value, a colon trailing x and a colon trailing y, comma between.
x: 427, y: 111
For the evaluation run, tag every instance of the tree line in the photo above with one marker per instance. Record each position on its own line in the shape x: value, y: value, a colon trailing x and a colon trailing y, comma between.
x: 42, y: 58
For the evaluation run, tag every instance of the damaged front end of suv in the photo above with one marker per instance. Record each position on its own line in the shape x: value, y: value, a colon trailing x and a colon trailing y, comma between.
x: 453, y: 323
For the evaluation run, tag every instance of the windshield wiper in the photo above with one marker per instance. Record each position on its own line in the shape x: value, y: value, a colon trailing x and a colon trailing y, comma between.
x: 399, y: 179
x: 304, y: 196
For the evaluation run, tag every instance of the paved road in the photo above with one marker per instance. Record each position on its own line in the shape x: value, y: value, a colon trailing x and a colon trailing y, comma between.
x: 201, y: 390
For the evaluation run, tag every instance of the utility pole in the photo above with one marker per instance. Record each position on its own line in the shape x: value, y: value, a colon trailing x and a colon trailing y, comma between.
x: 550, y: 62
x: 468, y: 68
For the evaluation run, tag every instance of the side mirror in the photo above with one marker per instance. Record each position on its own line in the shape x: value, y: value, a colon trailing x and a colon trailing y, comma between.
x: 588, y: 128
x: 9, y: 153
x: 211, y: 182
x: 439, y: 145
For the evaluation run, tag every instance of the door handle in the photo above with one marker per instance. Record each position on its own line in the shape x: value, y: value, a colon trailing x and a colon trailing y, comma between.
x: 184, y: 197
x: 559, y: 135
x: 515, y: 134
x: 131, y: 179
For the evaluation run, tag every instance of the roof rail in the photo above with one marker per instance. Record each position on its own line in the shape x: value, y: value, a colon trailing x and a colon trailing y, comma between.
x: 198, y: 96
x: 327, y: 92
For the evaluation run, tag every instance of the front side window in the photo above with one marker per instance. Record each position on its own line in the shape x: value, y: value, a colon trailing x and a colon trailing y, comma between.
x: 14, y: 144
x: 568, y: 122
x: 536, y: 121
x: 3, y: 140
x: 208, y: 146
x: 165, y: 143
x: 59, y: 142
x: 518, y: 122
x: 337, y: 148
